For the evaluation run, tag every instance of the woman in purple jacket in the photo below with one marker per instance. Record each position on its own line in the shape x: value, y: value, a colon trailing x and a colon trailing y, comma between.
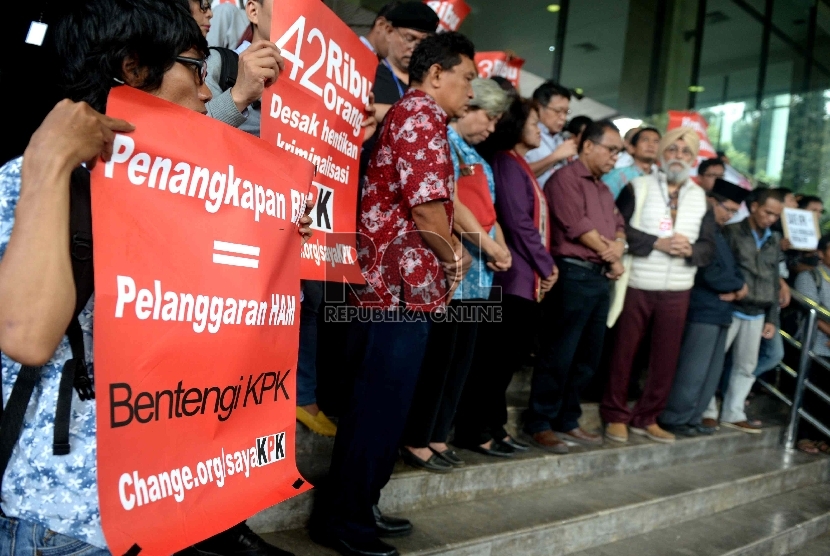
x: 503, y: 346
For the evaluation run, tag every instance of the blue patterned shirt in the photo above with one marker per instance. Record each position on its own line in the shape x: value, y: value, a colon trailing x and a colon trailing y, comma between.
x: 59, y: 492
x: 618, y: 178
x: 479, y: 280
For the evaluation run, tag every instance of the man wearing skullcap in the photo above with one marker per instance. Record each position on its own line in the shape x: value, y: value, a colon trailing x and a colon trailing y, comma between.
x: 704, y: 346
x: 663, y: 212
x: 408, y: 23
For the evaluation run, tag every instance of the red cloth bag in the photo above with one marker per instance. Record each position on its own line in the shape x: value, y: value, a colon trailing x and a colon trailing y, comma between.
x: 474, y: 192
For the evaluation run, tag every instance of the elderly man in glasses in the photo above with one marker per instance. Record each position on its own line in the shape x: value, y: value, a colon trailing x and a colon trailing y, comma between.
x: 663, y: 212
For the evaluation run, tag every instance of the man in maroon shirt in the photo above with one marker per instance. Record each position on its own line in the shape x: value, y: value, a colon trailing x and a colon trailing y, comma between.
x: 588, y: 241
x: 411, y: 262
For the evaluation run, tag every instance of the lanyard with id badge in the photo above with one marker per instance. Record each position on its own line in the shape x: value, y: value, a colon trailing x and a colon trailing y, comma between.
x: 665, y: 227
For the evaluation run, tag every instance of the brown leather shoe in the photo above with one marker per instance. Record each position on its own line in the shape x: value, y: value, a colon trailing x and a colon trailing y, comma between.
x: 710, y: 424
x: 618, y: 432
x: 742, y: 426
x: 655, y: 433
x: 548, y: 441
x: 581, y: 437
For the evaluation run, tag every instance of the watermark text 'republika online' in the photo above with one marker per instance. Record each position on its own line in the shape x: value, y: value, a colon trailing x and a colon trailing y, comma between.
x: 489, y: 312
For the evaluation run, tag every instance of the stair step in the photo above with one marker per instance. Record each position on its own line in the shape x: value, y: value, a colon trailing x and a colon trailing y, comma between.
x: 575, y: 517
x: 774, y: 526
x: 820, y: 546
x: 411, y: 489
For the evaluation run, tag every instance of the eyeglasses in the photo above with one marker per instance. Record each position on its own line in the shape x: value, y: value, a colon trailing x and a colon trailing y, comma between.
x: 729, y: 211
x: 715, y: 176
x: 614, y: 151
x: 557, y: 111
x: 204, y: 5
x: 199, y: 63
x: 672, y: 149
x: 409, y: 39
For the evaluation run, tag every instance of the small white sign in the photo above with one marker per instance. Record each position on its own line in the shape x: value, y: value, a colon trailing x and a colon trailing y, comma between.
x: 801, y: 228
x: 36, y: 34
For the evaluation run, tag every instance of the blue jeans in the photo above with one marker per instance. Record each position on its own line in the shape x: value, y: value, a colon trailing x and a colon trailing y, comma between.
x: 24, y: 538
x: 772, y: 352
x: 307, y: 363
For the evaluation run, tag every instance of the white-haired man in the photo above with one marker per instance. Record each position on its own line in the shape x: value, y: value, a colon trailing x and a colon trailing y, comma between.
x: 664, y: 212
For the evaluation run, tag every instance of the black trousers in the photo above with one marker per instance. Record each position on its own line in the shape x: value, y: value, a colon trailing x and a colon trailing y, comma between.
x: 447, y: 361
x: 501, y: 349
x: 388, y: 358
x: 572, y: 332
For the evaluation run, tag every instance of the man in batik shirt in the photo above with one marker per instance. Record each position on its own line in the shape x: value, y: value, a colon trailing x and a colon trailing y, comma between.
x: 411, y: 263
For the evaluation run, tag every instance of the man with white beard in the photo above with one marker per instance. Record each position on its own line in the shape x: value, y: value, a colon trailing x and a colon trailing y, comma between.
x: 664, y: 212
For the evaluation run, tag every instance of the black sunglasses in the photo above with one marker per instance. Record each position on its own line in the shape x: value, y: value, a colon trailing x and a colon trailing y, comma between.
x: 199, y: 63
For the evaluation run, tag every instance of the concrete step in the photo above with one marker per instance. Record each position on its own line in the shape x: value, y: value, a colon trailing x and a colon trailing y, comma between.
x: 577, y: 517
x: 411, y: 489
x: 820, y: 546
x: 773, y: 526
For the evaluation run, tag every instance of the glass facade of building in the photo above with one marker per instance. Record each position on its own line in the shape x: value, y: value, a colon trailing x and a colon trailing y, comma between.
x: 758, y: 70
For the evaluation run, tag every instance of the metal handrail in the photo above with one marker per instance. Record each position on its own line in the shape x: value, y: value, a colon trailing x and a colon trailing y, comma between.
x: 815, y: 312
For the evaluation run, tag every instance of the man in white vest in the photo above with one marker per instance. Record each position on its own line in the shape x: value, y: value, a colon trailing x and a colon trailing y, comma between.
x: 664, y: 212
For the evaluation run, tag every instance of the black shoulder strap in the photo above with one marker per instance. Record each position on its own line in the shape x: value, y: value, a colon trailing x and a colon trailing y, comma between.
x: 230, y: 67
x: 74, y: 371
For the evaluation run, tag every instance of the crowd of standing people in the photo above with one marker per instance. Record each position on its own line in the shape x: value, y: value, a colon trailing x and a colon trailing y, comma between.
x: 472, y: 198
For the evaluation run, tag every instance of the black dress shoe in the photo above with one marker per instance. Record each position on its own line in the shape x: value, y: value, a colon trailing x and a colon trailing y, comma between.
x: 434, y: 463
x: 681, y: 430
x: 375, y: 547
x: 497, y: 449
x: 388, y: 526
x: 239, y: 540
x: 515, y: 444
x: 450, y: 457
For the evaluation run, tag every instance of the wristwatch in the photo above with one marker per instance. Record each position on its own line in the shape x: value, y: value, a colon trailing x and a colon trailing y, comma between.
x: 625, y: 243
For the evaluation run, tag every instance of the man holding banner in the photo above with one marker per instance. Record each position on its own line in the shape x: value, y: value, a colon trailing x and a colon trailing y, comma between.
x: 57, y: 488
x: 411, y: 263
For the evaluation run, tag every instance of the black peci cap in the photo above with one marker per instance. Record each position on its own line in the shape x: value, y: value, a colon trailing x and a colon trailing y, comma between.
x: 413, y: 15
x: 730, y: 191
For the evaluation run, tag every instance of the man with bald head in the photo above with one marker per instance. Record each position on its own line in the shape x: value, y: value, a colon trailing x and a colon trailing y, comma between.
x: 664, y: 212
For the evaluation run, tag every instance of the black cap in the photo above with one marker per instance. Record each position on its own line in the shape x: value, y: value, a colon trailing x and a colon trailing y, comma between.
x: 730, y: 191
x: 413, y: 15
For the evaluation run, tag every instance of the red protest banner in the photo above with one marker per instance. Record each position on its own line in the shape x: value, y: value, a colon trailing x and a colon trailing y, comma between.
x: 502, y: 64
x: 450, y: 13
x: 196, y: 325
x: 314, y: 112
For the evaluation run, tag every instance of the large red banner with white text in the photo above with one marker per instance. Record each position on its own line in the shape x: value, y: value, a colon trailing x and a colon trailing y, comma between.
x: 501, y: 64
x: 451, y: 13
x: 314, y: 111
x: 197, y: 310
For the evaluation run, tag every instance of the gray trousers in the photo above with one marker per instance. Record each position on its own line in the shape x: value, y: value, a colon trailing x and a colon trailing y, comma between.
x: 698, y: 373
x: 746, y: 335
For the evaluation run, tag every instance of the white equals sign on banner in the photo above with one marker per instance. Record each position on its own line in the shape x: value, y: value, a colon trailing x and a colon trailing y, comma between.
x: 248, y: 261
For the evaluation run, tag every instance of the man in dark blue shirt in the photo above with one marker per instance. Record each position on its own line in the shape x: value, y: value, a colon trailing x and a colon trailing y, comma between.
x: 707, y: 324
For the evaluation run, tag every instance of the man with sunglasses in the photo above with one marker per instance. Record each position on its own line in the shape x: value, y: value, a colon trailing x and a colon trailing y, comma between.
x: 52, y: 501
x: 703, y: 349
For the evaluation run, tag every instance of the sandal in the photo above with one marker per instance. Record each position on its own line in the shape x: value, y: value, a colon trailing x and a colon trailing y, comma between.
x: 807, y: 446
